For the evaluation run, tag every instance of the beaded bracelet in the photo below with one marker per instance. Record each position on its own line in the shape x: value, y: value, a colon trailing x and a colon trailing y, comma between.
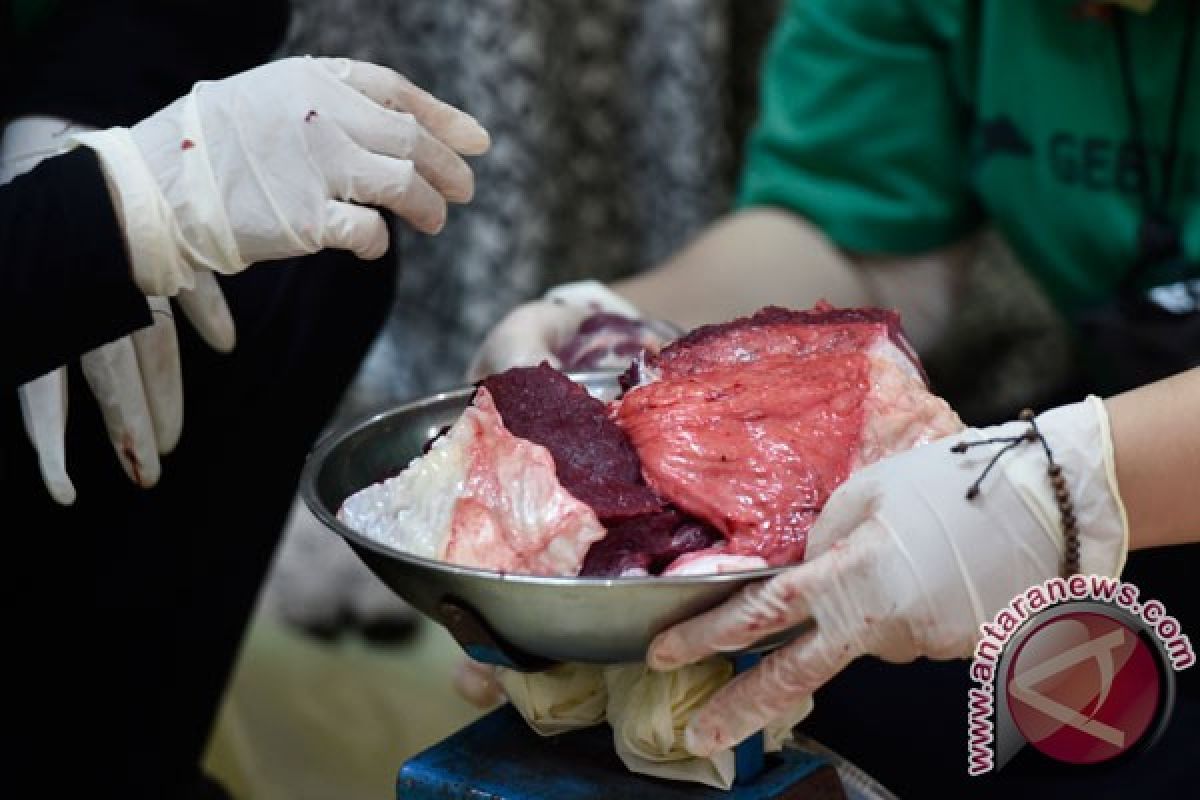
x: 1062, y: 496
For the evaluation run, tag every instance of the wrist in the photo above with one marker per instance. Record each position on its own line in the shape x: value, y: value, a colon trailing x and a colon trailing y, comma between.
x: 1080, y: 440
x: 145, y: 218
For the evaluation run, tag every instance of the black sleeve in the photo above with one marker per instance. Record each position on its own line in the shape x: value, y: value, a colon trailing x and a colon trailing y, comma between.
x: 116, y: 62
x: 65, y: 281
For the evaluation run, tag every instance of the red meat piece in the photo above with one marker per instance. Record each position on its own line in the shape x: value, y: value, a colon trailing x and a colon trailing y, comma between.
x: 751, y: 425
x: 774, y: 330
x: 755, y: 450
x: 593, y: 458
x: 648, y: 542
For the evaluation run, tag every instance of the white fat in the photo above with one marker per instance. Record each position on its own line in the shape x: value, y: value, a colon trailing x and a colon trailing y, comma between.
x: 884, y: 348
x: 712, y: 564
x: 413, y: 511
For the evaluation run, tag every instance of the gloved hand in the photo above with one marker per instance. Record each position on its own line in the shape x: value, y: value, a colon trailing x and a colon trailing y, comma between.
x: 901, y: 564
x: 136, y: 380
x: 542, y: 330
x: 281, y: 161
x: 478, y: 683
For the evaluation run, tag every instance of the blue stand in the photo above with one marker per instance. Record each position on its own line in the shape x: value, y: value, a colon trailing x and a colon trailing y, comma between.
x: 500, y: 758
x: 749, y: 757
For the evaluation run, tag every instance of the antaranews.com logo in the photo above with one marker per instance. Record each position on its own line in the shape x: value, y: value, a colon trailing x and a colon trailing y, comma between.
x: 1077, y: 667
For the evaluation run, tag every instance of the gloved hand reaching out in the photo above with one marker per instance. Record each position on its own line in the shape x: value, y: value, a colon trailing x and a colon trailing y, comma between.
x: 544, y: 330
x: 901, y: 564
x: 137, y: 379
x: 280, y: 161
x: 267, y: 164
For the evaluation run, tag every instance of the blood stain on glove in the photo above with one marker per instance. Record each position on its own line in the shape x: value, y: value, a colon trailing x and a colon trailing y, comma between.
x: 130, y: 453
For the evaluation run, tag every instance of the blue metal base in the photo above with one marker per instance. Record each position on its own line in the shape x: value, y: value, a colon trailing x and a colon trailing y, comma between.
x: 500, y: 758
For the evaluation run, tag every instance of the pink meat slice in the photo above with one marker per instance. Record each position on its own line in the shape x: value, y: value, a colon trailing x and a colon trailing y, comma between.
x: 750, y: 426
x: 480, y: 497
x: 513, y: 515
x: 593, y: 457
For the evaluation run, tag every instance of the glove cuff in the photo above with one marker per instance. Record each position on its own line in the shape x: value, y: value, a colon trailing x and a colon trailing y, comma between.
x: 1081, y: 441
x: 143, y: 212
x: 592, y: 296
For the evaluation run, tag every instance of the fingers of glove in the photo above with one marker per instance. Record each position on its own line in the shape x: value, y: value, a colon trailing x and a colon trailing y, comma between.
x: 530, y: 334
x: 773, y: 689
x: 112, y: 373
x: 205, y: 307
x: 393, y: 91
x: 393, y: 184
x: 442, y: 167
x: 477, y: 683
x: 397, y: 134
x: 157, y: 349
x: 44, y: 410
x: 759, y: 610
x: 360, y: 230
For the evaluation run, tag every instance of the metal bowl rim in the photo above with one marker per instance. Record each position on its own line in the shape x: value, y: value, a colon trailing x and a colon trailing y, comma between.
x: 328, y: 443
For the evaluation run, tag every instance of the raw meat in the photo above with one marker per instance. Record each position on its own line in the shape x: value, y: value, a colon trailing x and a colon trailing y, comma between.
x: 593, y: 457
x: 782, y: 331
x: 596, y: 462
x: 719, y: 457
x: 751, y: 425
x: 480, y: 497
x: 646, y: 544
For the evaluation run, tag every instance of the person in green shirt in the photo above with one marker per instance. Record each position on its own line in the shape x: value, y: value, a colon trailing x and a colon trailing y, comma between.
x: 890, y: 135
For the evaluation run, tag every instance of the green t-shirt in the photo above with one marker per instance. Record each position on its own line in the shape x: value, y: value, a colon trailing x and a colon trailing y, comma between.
x: 898, y: 127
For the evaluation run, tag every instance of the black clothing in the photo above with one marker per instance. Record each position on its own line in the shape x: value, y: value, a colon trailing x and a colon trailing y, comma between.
x: 65, y: 285
x: 117, y: 61
x: 130, y: 605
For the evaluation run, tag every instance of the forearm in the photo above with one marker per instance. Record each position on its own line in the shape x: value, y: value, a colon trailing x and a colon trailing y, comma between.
x: 1156, y: 440
x: 760, y: 256
x: 65, y: 284
x: 744, y: 261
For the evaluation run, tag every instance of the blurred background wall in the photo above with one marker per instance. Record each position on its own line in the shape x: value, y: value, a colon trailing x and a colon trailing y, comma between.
x: 616, y: 129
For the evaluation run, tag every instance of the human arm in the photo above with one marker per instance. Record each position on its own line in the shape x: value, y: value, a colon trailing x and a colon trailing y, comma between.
x: 1156, y: 439
x: 844, y: 195
x: 902, y: 564
x: 762, y: 256
x: 187, y: 196
x: 65, y: 285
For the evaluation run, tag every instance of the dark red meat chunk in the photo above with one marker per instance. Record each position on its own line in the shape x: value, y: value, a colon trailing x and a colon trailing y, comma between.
x: 649, y: 542
x: 593, y: 457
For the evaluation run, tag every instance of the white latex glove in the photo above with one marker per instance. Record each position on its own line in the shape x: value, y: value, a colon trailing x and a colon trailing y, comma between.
x: 564, y: 698
x: 137, y: 379
x: 280, y: 161
x: 901, y: 565
x: 533, y: 332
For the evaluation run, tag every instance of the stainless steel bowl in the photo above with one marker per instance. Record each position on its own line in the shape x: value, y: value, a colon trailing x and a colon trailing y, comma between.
x: 524, y: 621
